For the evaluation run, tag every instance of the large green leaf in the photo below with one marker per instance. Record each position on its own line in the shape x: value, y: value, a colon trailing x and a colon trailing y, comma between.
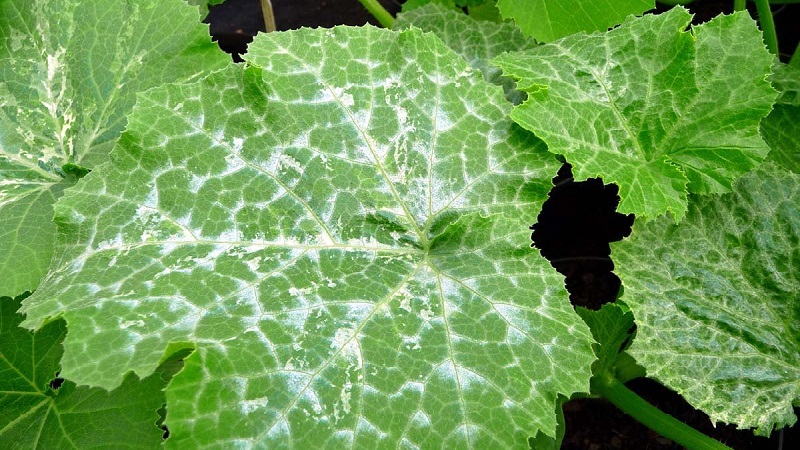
x: 547, y: 20
x: 69, y: 72
x: 35, y: 415
x: 717, y: 300
x: 477, y: 41
x: 650, y: 107
x: 341, y: 231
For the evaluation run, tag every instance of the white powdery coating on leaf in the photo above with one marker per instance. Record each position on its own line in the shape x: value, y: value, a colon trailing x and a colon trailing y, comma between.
x: 151, y: 201
x: 197, y: 182
x: 114, y: 242
x: 366, y: 427
x: 469, y: 432
x: 279, y: 431
x: 511, y: 314
x: 248, y: 295
x: 421, y: 420
x: 443, y: 121
x: 248, y: 406
x: 413, y: 386
x: 515, y: 337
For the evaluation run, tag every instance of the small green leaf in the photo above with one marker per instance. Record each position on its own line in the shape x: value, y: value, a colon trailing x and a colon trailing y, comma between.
x: 781, y: 128
x: 35, y: 415
x: 341, y: 229
x: 476, y: 41
x: 716, y: 300
x: 650, y: 107
x: 611, y: 327
x: 548, y: 20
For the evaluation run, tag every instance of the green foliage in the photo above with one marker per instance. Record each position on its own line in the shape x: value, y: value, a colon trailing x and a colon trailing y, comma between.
x: 660, y: 117
x: 548, y: 20
x: 69, y: 74
x: 781, y: 128
x: 409, y: 5
x: 716, y: 300
x: 367, y: 249
x: 475, y: 41
x: 34, y: 414
x: 328, y: 246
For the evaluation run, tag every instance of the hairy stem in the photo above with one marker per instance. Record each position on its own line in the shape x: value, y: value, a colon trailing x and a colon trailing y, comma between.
x: 269, y: 17
x: 379, y: 12
x: 655, y: 419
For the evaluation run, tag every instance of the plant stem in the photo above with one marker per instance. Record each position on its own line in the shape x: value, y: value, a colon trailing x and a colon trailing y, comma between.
x: 379, y: 12
x: 739, y: 5
x: 269, y: 17
x: 767, y: 25
x: 655, y: 419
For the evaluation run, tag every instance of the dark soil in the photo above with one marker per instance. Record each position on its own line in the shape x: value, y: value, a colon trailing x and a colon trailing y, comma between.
x: 573, y: 231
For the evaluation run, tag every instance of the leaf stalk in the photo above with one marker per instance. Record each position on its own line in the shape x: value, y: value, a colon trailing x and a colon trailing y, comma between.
x: 379, y: 12
x: 269, y: 16
x: 664, y: 424
x: 767, y: 25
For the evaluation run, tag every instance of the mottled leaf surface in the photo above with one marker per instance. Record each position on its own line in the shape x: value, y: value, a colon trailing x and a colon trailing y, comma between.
x: 340, y: 228
x: 35, y: 415
x: 717, y: 300
x: 477, y: 41
x: 548, y: 20
x: 69, y: 71
x: 657, y: 110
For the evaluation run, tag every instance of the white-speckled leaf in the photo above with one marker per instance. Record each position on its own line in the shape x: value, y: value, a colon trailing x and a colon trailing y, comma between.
x: 341, y: 231
x: 69, y: 72
x: 658, y: 110
x: 717, y: 300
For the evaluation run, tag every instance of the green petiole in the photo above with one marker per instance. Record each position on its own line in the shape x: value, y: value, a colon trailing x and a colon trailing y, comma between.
x: 269, y: 16
x: 379, y: 12
x: 664, y: 424
x: 767, y: 25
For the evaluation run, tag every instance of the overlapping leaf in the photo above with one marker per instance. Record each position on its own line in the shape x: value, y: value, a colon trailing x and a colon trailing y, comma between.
x: 611, y: 326
x: 548, y: 20
x: 650, y: 107
x: 476, y: 41
x: 69, y: 71
x: 781, y: 128
x: 716, y: 300
x: 413, y: 4
x: 34, y: 415
x: 341, y: 230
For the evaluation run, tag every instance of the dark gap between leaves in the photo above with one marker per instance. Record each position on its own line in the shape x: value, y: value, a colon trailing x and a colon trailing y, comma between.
x: 574, y: 229
x: 56, y: 383
x: 234, y: 23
